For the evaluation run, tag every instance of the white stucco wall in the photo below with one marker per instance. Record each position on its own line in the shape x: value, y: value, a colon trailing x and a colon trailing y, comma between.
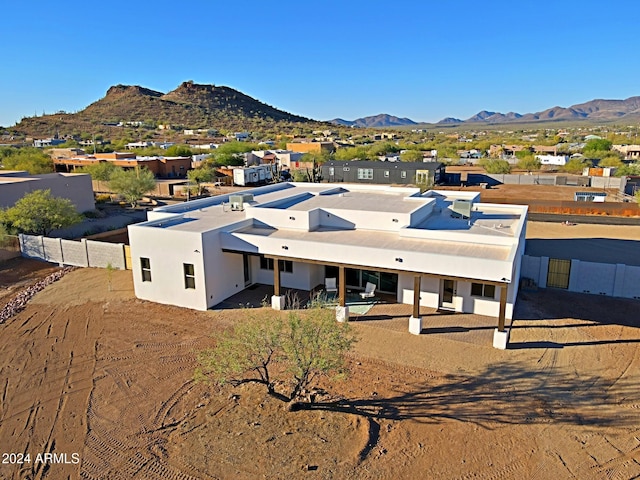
x: 167, y: 251
x: 463, y: 301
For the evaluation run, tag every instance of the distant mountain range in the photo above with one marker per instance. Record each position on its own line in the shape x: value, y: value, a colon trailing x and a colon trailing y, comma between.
x: 193, y: 105
x: 375, y: 121
x: 595, y: 110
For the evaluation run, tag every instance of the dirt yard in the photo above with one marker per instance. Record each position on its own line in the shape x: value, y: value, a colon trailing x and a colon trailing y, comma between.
x: 95, y: 372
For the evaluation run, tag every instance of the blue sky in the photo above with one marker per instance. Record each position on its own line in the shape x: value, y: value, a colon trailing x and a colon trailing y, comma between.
x: 425, y: 60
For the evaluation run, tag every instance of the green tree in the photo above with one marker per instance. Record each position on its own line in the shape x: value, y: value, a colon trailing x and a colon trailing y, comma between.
x: 576, y: 165
x: 39, y: 213
x: 628, y: 169
x: 33, y: 160
x: 411, y: 156
x: 596, y: 145
x: 100, y: 171
x: 231, y: 153
x: 529, y: 163
x: 178, y: 151
x: 493, y: 165
x: 284, y: 356
x: 201, y: 175
x: 610, y: 161
x: 132, y: 184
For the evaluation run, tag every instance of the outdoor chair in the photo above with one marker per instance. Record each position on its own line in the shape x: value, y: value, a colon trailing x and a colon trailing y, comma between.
x: 369, y: 291
x: 330, y: 285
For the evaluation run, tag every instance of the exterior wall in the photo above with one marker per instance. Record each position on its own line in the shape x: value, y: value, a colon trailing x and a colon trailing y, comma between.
x: 615, y: 280
x: 383, y: 172
x: 311, y: 147
x: 223, y: 272
x: 167, y: 253
x: 463, y: 301
x: 303, y: 277
x: 85, y: 253
x: 75, y: 187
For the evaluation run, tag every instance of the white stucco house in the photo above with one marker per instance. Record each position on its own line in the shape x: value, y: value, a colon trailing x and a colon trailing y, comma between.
x: 441, y: 249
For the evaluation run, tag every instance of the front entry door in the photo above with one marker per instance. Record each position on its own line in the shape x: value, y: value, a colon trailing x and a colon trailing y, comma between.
x: 448, y: 292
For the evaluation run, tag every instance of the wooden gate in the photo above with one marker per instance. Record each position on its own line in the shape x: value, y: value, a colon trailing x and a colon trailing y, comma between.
x: 558, y: 274
x: 127, y: 257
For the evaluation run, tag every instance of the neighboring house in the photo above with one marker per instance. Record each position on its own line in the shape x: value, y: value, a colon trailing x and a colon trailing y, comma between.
x: 630, y: 152
x: 75, y: 186
x: 239, y: 136
x: 440, y: 249
x: 135, y: 145
x: 47, y: 142
x: 311, y: 147
x: 162, y: 167
x: 557, y: 160
x: 400, y: 173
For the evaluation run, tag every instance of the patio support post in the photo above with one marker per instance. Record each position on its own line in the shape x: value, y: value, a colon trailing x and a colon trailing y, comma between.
x: 342, y: 287
x: 277, y: 300
x: 503, y: 307
x: 501, y: 334
x: 415, y: 322
x: 276, y: 278
x: 416, y: 296
x: 342, y: 311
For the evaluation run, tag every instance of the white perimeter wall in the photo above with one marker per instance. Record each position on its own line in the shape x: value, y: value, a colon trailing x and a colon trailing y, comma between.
x: 616, y: 280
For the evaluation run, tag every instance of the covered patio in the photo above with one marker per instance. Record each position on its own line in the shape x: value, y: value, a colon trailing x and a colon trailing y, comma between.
x: 383, y: 312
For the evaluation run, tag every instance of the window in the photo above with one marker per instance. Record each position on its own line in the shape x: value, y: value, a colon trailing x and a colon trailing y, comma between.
x: 267, y: 264
x: 189, y: 275
x: 386, y: 174
x: 145, y: 265
x: 403, y: 174
x: 483, y: 290
x: 365, y: 174
x: 331, y: 171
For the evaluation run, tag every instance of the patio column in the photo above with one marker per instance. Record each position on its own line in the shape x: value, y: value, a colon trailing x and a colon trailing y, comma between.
x: 342, y: 311
x: 503, y: 307
x: 415, y: 322
x: 277, y: 300
x: 501, y: 334
x: 342, y: 287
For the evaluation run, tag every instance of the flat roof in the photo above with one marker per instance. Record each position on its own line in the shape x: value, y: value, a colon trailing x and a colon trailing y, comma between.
x: 500, y: 221
x: 382, y: 240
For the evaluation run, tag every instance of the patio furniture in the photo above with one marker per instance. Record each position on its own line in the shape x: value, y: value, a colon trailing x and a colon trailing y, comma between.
x: 330, y: 285
x: 369, y: 290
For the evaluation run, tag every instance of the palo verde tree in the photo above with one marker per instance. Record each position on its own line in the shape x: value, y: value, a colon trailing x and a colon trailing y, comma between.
x: 286, y: 356
x: 132, y: 184
x: 33, y: 160
x: 201, y: 175
x: 39, y: 213
x: 493, y: 165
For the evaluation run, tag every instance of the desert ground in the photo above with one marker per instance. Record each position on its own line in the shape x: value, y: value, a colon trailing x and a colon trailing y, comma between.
x: 90, y: 370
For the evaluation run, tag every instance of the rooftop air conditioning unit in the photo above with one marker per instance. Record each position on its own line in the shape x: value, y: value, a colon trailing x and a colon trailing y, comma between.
x: 237, y: 202
x: 461, y: 209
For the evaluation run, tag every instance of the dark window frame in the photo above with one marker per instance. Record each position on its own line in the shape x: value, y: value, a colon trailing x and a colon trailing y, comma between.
x: 189, y: 272
x: 483, y: 290
x: 145, y: 269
